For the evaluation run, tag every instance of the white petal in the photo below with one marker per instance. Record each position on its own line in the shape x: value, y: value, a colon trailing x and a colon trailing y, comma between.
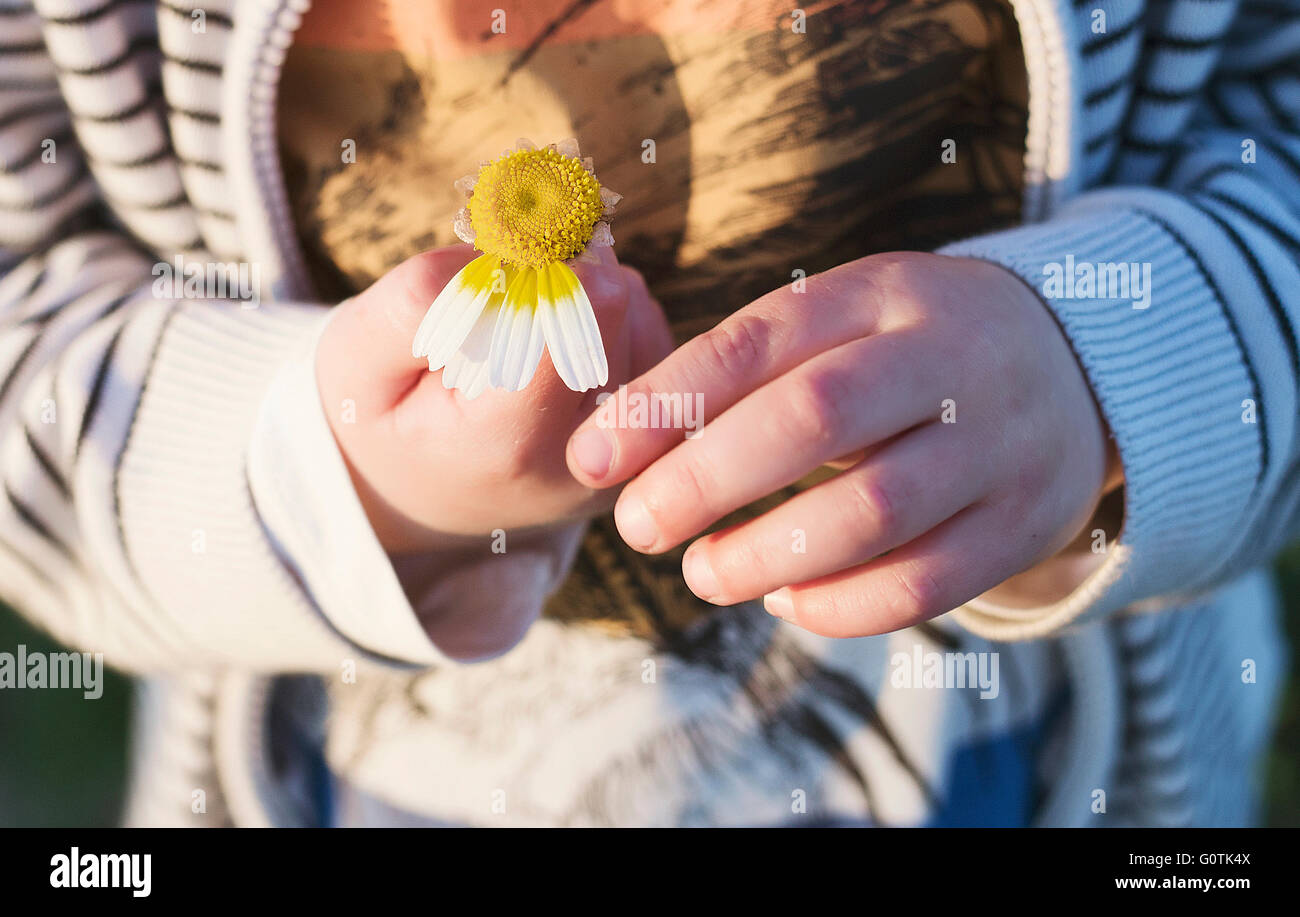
x: 600, y: 235
x: 560, y: 357
x: 476, y: 385
x: 453, y: 313
x: 610, y: 199
x: 479, y: 385
x: 567, y: 147
x: 467, y: 368
x: 517, y: 338
x: 572, y: 334
x: 589, y: 165
x: 523, y: 143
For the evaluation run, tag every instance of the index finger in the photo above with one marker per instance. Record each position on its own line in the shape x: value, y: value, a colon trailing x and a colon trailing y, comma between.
x: 373, y: 329
x: 762, y: 341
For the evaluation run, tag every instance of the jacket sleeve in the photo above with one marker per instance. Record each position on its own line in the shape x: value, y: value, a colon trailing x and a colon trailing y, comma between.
x: 1191, y: 137
x: 153, y: 445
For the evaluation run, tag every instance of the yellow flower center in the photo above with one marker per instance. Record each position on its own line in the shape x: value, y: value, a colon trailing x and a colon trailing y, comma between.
x: 534, y: 207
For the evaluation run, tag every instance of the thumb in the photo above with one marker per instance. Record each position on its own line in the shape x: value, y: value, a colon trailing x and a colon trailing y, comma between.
x: 366, y: 350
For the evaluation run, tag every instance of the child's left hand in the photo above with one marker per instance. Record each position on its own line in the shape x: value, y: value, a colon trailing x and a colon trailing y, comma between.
x: 861, y: 370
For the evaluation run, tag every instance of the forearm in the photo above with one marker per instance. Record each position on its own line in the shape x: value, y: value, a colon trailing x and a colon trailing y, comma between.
x: 127, y: 421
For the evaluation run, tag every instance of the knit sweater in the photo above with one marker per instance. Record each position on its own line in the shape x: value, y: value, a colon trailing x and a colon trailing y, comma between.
x: 173, y: 497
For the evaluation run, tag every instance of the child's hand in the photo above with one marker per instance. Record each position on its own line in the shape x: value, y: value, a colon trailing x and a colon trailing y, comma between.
x: 426, y: 462
x: 861, y: 368
x: 437, y: 474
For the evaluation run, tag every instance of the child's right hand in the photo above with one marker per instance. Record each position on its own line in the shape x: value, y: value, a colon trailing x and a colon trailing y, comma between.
x: 427, y: 463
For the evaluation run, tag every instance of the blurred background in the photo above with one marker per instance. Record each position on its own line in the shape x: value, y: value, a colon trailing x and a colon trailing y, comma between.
x: 63, y: 759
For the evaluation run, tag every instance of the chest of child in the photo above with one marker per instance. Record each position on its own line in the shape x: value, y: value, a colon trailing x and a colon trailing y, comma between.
x: 750, y: 143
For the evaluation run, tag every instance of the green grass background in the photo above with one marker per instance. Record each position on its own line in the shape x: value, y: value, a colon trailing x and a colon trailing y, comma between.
x: 63, y: 760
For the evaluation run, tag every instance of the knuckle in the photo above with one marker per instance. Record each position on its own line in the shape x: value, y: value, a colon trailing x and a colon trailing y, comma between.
x: 734, y: 564
x: 918, y: 594
x: 606, y: 285
x: 690, y: 484
x: 634, y: 278
x: 889, y: 268
x: 738, y: 561
x: 816, y: 405
x: 891, y: 273
x: 872, y: 503
x: 423, y: 276
x: 738, y: 345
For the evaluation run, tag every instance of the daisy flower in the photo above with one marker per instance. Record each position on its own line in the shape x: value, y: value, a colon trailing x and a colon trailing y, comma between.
x: 532, y: 213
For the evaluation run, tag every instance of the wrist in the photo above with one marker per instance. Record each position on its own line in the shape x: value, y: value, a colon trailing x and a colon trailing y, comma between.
x: 397, y: 532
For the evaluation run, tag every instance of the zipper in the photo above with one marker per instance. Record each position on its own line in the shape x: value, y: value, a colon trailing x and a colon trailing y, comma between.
x: 264, y: 32
x: 1052, y: 145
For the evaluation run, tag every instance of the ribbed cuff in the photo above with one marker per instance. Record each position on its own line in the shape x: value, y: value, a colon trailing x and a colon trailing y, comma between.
x: 189, y: 519
x: 1172, y: 381
x: 306, y: 498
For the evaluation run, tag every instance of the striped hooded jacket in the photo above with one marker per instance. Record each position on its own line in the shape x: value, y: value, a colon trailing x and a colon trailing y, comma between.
x: 165, y: 464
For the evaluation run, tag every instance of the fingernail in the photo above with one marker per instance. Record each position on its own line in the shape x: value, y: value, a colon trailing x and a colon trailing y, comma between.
x: 592, y: 452
x: 699, y: 574
x: 634, y: 523
x: 779, y: 604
